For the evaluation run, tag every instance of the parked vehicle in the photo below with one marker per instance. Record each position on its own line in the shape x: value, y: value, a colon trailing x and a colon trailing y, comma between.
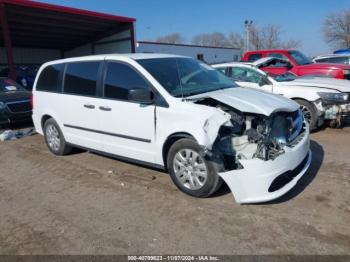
x: 334, y: 59
x: 298, y: 64
x: 15, y: 106
x: 178, y: 114
x: 320, y: 98
x: 342, y: 51
x: 25, y: 75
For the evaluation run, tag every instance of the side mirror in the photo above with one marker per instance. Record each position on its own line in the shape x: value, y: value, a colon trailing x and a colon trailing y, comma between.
x: 141, y: 95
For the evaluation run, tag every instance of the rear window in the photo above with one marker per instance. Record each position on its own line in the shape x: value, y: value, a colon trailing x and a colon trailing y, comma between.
x: 49, y: 78
x: 81, y: 78
x: 254, y: 57
x: 338, y: 60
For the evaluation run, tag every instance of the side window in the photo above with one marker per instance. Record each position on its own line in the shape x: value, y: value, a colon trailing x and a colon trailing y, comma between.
x: 322, y: 60
x: 49, y: 78
x: 245, y: 75
x: 222, y: 70
x: 81, y: 78
x: 254, y: 57
x: 120, y: 78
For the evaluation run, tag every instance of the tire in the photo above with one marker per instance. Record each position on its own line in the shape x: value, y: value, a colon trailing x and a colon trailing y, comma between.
x: 54, y: 138
x: 310, y: 113
x: 181, y: 172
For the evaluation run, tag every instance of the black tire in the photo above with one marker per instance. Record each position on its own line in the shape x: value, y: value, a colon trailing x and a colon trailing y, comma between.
x: 310, y: 113
x: 213, y: 166
x: 63, y: 148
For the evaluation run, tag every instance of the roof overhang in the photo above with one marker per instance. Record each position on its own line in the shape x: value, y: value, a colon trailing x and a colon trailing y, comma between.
x: 40, y: 25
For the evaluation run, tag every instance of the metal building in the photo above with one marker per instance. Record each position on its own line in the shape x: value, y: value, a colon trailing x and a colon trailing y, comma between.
x: 209, y: 54
x: 32, y: 33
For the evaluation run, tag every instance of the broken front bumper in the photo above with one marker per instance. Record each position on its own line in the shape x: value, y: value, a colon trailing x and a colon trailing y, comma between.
x: 337, y: 111
x: 262, y: 181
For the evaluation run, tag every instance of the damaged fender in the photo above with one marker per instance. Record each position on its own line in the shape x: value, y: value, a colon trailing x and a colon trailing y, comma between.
x: 212, y: 125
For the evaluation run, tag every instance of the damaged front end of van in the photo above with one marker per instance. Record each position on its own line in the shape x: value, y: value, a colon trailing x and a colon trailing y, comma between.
x: 264, y: 146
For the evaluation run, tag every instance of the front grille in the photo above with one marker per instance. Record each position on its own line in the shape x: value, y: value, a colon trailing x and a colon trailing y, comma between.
x: 288, y: 176
x: 20, y: 106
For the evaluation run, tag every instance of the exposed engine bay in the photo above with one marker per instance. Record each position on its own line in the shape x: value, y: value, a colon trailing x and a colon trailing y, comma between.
x: 250, y: 136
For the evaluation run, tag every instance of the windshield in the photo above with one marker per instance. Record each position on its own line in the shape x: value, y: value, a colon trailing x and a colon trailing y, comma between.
x: 8, y: 85
x: 299, y: 57
x: 284, y: 77
x: 183, y: 77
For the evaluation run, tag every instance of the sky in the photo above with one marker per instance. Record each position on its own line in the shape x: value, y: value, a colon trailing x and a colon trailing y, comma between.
x: 299, y: 19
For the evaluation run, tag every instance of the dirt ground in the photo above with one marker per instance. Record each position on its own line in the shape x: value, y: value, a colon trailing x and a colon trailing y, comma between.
x: 89, y: 204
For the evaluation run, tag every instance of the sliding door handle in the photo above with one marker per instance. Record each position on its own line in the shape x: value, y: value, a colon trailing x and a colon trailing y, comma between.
x: 105, y: 108
x: 89, y: 106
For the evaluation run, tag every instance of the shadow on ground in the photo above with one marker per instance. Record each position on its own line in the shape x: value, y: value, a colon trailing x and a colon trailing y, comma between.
x: 306, y: 180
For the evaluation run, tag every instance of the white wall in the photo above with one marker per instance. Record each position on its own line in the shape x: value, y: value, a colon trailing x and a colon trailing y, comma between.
x: 211, y: 55
x: 103, y: 46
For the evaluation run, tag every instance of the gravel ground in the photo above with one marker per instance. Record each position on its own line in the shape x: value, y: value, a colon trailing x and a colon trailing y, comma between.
x: 89, y: 204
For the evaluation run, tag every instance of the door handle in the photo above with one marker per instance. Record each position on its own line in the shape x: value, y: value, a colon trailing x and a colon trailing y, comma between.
x: 105, y: 108
x: 89, y: 106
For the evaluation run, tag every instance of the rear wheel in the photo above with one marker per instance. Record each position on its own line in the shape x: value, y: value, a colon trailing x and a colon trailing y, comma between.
x: 191, y: 171
x: 54, y: 138
x: 309, y: 112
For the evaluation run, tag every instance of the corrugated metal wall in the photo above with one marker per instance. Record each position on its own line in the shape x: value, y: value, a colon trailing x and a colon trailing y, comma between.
x: 29, y: 56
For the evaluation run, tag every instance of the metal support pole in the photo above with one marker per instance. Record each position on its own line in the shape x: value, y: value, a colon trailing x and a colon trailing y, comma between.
x: 7, y: 41
x: 132, y: 37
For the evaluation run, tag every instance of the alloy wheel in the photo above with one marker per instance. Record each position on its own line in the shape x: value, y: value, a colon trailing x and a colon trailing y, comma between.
x: 53, y: 137
x: 190, y: 169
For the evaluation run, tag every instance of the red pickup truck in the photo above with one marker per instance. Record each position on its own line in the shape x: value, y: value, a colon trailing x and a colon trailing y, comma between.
x: 298, y: 64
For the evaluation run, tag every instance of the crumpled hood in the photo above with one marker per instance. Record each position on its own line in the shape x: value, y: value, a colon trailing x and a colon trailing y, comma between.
x: 251, y: 101
x: 331, y: 83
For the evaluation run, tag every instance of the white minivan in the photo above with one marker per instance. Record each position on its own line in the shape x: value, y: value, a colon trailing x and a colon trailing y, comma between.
x: 178, y: 114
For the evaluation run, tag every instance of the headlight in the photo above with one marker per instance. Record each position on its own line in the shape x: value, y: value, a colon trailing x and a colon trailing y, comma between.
x: 334, y: 98
x: 2, y: 105
x: 346, y: 72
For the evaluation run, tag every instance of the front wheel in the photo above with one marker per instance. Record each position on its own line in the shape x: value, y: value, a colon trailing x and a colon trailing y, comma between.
x: 309, y: 112
x: 191, y: 171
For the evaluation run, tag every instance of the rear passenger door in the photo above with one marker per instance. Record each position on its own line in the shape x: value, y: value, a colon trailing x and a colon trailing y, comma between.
x: 79, y: 104
x: 129, y: 127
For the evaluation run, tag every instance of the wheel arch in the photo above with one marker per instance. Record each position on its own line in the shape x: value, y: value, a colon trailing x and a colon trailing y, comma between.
x: 171, y: 139
x: 44, y: 119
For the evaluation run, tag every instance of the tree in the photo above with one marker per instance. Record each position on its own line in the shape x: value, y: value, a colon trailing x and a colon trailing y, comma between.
x: 211, y: 39
x: 336, y: 29
x: 236, y: 40
x: 269, y: 37
x: 174, y: 38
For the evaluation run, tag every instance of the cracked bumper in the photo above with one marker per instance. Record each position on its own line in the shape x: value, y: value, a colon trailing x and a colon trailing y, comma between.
x: 251, y: 184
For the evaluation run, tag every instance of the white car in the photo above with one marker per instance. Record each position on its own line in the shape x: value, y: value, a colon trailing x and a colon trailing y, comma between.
x: 333, y: 58
x: 321, y: 98
x: 177, y: 114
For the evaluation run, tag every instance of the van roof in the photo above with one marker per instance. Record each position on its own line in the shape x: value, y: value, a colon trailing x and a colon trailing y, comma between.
x: 134, y: 56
